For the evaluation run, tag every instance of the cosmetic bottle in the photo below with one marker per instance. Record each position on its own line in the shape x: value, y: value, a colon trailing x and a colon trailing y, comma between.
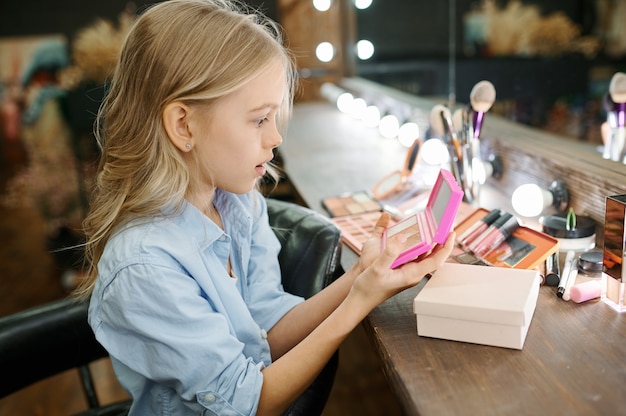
x: 613, y: 284
x: 497, y: 232
x: 478, y: 228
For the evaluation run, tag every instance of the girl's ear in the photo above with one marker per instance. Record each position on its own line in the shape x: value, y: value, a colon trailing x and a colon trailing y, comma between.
x: 176, y: 117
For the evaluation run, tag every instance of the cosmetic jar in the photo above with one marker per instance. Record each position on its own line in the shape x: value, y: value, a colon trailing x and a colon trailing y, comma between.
x: 590, y: 264
x: 581, y: 237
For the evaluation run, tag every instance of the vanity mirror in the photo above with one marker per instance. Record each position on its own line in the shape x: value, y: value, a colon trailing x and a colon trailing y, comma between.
x: 550, y: 61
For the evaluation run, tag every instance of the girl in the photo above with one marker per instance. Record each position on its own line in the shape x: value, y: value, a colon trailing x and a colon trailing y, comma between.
x: 184, y: 278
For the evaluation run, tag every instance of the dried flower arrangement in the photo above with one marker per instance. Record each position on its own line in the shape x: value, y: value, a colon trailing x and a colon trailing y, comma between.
x: 519, y: 29
x: 95, y: 50
x: 52, y: 181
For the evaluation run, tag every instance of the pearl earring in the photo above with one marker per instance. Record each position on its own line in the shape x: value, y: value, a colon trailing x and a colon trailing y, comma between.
x: 188, y: 146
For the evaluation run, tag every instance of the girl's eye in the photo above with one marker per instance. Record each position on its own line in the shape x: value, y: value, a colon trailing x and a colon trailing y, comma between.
x: 261, y: 121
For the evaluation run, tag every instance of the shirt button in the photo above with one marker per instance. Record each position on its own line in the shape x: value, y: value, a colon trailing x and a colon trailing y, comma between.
x: 209, y: 397
x: 263, y: 334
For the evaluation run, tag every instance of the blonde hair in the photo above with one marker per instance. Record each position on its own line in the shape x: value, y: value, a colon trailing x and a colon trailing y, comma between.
x: 192, y: 51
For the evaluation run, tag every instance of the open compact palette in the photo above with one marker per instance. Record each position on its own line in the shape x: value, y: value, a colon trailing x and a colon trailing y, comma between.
x: 524, y: 248
x: 427, y: 228
x: 438, y: 217
x: 357, y: 228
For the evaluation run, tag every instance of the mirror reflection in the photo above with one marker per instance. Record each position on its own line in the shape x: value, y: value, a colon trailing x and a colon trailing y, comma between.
x: 551, y: 61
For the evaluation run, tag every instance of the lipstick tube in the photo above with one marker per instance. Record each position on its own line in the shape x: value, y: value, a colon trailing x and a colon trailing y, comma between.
x: 553, y: 270
x: 494, y: 235
x: 478, y: 228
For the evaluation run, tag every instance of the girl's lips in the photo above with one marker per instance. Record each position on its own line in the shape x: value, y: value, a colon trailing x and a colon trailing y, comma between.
x: 260, y: 169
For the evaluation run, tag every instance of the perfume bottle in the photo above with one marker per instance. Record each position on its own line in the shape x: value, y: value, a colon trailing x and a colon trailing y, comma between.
x: 613, y: 285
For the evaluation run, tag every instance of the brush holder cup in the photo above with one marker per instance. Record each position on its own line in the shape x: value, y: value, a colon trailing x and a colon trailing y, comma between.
x: 473, y: 173
x: 615, y: 144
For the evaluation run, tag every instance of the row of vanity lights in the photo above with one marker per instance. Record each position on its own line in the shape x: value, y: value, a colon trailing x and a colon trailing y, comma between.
x: 325, y: 51
x: 389, y: 125
x: 528, y: 200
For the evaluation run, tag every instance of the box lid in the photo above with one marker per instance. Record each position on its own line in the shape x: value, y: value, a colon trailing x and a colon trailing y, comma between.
x: 480, y: 293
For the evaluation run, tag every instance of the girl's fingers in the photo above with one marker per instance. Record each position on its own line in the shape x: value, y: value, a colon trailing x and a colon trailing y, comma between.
x: 437, y: 255
x: 381, y: 224
x: 393, y: 247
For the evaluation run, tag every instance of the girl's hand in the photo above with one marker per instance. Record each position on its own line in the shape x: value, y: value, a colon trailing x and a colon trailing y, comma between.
x: 373, y: 245
x: 378, y: 281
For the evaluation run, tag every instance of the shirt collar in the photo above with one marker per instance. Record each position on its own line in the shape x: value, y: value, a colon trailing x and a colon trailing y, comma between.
x: 235, y: 216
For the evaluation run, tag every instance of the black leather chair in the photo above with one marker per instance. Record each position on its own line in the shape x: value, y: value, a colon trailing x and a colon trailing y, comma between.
x: 43, y: 341
x: 309, y: 261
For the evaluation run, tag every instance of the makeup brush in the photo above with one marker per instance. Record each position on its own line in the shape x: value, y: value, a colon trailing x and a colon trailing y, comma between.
x: 446, y: 119
x: 439, y: 128
x: 482, y: 97
x: 436, y: 123
x: 459, y: 123
x: 617, y: 91
x: 606, y: 129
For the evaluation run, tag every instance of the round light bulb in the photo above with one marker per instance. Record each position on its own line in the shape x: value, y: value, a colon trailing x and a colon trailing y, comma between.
x: 362, y: 4
x: 389, y: 126
x: 322, y: 5
x: 325, y: 52
x: 434, y: 152
x: 408, y: 133
x: 358, y: 107
x: 529, y: 200
x: 330, y: 91
x: 344, y: 102
x: 371, y: 116
x: 364, y: 49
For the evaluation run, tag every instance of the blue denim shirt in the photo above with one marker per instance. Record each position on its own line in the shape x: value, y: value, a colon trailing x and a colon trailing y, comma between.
x: 184, y: 337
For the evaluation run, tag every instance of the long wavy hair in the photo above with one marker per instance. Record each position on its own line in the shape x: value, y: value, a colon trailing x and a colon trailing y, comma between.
x: 192, y: 51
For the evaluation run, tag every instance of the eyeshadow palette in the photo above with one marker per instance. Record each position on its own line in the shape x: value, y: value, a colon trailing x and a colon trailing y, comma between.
x: 356, y: 229
x: 354, y: 203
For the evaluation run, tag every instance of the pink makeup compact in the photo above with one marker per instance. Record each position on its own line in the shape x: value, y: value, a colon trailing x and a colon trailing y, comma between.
x: 427, y: 228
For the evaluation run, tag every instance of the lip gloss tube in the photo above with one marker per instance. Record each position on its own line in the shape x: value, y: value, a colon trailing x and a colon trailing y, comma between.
x: 494, y: 235
x: 478, y: 228
x: 505, y: 216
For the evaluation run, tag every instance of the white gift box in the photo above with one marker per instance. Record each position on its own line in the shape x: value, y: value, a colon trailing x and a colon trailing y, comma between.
x: 478, y: 304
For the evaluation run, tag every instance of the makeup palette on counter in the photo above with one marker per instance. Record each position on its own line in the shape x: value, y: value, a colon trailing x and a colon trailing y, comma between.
x: 502, y: 242
x: 353, y: 203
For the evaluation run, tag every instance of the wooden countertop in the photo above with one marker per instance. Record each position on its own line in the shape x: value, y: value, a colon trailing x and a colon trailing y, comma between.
x: 574, y: 358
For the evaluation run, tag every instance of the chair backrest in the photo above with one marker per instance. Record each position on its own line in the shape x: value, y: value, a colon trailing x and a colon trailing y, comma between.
x: 309, y: 260
x: 43, y: 341
x: 311, y: 247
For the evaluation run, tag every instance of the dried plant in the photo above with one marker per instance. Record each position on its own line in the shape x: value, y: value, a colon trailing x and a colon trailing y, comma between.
x: 519, y: 29
x: 95, y: 51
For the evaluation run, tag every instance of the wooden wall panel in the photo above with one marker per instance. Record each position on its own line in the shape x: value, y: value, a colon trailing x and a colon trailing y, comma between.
x: 305, y: 28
